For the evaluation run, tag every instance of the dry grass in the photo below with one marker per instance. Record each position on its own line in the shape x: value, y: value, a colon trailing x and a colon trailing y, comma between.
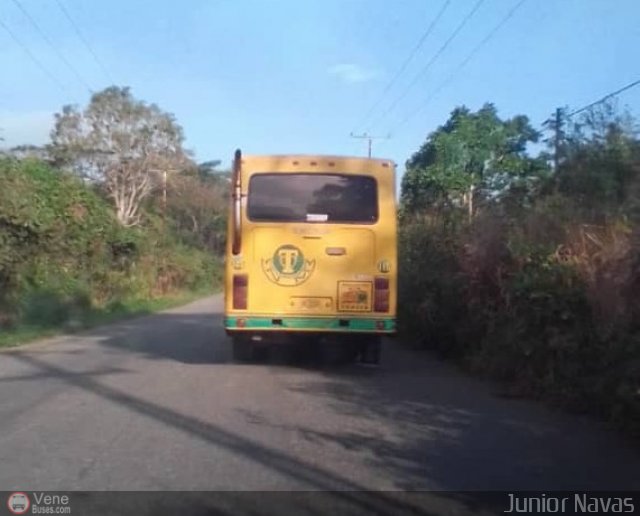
x: 548, y: 304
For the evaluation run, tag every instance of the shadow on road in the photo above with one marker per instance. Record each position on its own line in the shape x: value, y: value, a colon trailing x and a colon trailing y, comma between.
x: 187, y: 338
x: 200, y: 339
x: 350, y: 497
x: 452, y: 432
x: 436, y: 429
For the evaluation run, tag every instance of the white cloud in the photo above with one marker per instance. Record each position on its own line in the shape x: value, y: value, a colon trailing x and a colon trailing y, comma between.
x: 29, y: 127
x: 352, y: 73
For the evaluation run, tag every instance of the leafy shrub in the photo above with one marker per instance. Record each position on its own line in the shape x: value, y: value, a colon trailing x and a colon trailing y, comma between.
x: 63, y: 254
x: 44, y: 309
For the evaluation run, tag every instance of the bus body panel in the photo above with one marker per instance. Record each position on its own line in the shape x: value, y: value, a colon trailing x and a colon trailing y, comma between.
x: 314, y: 276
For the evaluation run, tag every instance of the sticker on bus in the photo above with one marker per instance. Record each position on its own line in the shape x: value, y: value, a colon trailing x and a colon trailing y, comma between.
x: 317, y: 217
x: 354, y: 296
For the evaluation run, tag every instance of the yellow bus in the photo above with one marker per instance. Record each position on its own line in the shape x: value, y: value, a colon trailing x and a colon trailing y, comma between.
x: 311, y: 252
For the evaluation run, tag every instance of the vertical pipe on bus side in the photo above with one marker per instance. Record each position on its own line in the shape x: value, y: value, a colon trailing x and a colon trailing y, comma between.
x: 237, y: 204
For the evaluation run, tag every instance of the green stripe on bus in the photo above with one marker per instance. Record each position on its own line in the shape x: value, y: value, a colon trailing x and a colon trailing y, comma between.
x: 307, y: 323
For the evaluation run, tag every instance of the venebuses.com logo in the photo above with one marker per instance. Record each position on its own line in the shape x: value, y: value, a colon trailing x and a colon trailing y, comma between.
x: 39, y: 503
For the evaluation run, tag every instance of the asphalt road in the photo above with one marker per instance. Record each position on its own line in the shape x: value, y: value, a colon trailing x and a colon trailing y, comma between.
x: 156, y: 403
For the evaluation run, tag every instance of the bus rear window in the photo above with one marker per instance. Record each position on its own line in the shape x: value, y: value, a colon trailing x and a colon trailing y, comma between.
x: 313, y: 197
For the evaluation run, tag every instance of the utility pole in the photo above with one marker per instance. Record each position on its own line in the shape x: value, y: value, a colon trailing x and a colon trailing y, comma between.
x: 164, y: 172
x: 369, y: 138
x: 556, y: 139
x: 164, y: 193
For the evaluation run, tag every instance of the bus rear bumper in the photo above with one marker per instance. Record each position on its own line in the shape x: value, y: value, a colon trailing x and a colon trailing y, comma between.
x: 249, y: 324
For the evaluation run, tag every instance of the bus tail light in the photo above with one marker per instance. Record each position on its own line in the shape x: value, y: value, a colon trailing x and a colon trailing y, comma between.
x: 240, y: 290
x: 381, y: 295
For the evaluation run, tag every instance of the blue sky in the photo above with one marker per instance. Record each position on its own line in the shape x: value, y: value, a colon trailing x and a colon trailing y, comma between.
x: 297, y: 76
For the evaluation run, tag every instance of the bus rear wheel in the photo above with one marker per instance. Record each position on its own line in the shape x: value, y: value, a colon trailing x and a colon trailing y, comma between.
x: 242, y: 349
x: 369, y: 350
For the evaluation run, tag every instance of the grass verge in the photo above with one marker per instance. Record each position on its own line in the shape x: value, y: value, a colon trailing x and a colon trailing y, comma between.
x: 23, y: 334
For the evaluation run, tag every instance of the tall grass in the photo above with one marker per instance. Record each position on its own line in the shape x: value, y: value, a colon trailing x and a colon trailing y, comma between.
x: 547, y: 303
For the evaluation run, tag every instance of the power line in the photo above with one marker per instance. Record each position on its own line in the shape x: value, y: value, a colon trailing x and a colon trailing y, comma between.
x: 26, y: 50
x: 50, y: 43
x: 83, y: 39
x: 406, y: 62
x: 606, y: 97
x: 426, y: 68
x: 463, y: 63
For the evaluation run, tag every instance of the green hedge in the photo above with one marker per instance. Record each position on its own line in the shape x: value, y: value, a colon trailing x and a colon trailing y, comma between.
x: 63, y: 255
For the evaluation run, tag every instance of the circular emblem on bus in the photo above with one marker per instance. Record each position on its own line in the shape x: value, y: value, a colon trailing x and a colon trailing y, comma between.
x: 288, y: 259
x: 288, y: 266
x: 18, y: 503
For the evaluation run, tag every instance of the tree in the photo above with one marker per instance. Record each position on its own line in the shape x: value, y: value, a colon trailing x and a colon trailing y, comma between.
x: 198, y: 204
x: 120, y: 143
x: 600, y: 157
x: 472, y: 155
x: 209, y: 168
